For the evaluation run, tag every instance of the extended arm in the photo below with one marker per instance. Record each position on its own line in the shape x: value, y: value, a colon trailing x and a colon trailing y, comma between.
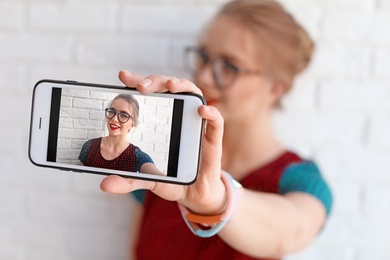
x: 150, y: 168
x: 271, y: 225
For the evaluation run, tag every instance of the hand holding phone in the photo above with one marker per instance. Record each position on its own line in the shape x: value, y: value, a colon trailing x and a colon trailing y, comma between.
x: 207, y: 194
x: 198, y: 170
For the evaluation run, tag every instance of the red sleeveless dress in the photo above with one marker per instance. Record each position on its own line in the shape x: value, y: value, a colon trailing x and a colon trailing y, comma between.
x: 164, y: 235
x: 126, y: 161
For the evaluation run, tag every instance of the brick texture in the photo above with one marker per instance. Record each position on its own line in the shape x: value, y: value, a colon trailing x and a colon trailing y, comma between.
x: 338, y: 113
x: 82, y: 118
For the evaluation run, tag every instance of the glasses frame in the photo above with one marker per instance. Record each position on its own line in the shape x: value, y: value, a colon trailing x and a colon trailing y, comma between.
x: 117, y: 113
x: 212, y: 62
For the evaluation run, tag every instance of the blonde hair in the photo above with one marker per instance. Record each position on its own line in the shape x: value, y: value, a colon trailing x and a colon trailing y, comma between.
x: 285, y: 48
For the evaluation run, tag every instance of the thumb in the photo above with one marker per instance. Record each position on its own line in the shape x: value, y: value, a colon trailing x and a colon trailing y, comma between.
x: 120, y: 185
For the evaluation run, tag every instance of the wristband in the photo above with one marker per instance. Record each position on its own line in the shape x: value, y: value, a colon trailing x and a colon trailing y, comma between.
x: 216, y: 222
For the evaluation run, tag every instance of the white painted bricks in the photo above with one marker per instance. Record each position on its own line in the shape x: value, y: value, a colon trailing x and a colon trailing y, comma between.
x: 82, y: 118
x: 337, y: 113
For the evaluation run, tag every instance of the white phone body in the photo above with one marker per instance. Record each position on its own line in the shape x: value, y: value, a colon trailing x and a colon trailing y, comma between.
x: 65, y: 114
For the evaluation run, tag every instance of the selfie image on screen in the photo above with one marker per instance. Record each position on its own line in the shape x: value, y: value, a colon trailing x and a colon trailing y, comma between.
x: 84, y: 118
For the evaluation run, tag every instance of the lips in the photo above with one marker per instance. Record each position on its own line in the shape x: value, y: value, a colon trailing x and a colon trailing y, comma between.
x: 212, y: 102
x: 114, y: 127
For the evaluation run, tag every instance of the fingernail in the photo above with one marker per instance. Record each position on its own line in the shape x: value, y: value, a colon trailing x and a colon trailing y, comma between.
x: 146, y: 83
x: 207, y: 108
x: 174, y: 80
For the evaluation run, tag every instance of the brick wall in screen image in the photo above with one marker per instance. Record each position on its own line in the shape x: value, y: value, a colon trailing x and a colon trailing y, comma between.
x: 82, y: 118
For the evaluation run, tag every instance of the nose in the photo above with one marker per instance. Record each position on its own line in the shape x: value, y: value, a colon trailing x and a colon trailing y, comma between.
x: 114, y: 119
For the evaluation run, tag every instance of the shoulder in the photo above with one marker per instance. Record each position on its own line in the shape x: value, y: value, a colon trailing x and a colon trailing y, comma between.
x: 94, y: 140
x: 85, y: 150
x: 266, y: 177
x: 298, y: 172
x: 86, y: 144
x: 142, y: 156
x: 90, y: 141
x: 305, y: 176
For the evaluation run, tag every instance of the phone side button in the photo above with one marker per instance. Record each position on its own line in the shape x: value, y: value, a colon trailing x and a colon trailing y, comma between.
x: 71, y: 81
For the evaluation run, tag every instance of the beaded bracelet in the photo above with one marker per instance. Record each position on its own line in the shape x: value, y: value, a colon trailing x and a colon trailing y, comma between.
x: 216, y: 222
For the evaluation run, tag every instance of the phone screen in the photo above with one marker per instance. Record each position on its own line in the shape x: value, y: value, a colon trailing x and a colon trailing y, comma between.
x: 78, y: 116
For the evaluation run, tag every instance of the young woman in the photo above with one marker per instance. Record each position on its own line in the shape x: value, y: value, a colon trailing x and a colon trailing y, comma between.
x: 245, y: 61
x: 114, y: 151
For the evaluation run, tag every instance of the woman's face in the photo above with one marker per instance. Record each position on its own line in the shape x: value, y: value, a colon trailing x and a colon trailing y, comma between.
x: 249, y: 95
x: 114, y: 126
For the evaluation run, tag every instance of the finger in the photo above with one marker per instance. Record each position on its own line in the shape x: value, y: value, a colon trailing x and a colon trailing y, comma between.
x: 129, y: 79
x: 208, y: 195
x: 117, y: 184
x: 160, y: 83
x: 176, y: 85
x: 214, y: 127
x: 212, y: 142
x: 157, y: 83
x: 153, y: 83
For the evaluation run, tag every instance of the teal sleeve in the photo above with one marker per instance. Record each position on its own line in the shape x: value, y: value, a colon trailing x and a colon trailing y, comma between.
x: 306, y: 177
x: 84, y: 152
x: 142, y: 158
x: 139, y: 195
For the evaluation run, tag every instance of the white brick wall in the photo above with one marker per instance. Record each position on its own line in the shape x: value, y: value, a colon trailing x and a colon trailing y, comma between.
x: 82, y: 118
x: 338, y: 113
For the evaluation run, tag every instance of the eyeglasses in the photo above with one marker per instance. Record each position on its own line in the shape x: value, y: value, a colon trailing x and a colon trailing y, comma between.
x: 122, y: 116
x: 224, y: 72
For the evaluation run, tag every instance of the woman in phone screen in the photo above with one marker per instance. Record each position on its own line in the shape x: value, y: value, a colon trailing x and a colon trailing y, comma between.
x: 245, y: 61
x: 114, y: 151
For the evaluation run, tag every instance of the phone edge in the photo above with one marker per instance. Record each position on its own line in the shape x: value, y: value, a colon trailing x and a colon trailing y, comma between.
x: 73, y: 82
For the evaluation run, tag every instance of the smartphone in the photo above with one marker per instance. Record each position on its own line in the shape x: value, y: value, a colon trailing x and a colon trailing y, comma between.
x: 70, y: 119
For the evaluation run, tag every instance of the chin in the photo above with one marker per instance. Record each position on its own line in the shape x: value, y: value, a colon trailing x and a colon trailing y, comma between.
x: 110, y: 133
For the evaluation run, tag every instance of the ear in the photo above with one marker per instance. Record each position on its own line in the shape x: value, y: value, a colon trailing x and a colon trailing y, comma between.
x: 277, y: 91
x: 132, y: 125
